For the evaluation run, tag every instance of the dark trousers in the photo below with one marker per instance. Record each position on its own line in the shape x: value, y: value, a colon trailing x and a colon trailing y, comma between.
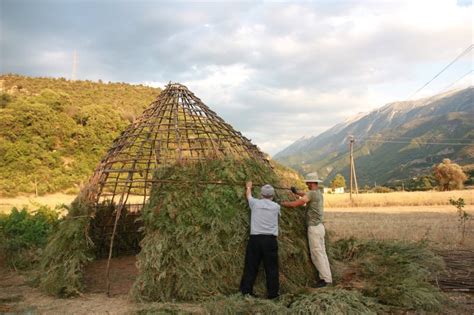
x: 261, y: 247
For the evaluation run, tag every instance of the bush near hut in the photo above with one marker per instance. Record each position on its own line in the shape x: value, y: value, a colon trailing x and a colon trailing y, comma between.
x: 67, y: 252
x: 24, y: 234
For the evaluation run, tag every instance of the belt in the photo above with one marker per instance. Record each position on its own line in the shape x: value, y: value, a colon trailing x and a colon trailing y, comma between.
x: 262, y: 235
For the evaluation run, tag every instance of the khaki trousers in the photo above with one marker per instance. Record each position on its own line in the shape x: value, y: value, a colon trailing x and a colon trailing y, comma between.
x: 318, y: 251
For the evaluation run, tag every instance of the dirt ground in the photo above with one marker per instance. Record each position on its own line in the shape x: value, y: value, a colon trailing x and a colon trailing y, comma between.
x: 18, y: 297
x: 123, y: 273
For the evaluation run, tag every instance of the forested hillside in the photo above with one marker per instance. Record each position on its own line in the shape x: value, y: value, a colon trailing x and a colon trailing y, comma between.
x: 53, y: 132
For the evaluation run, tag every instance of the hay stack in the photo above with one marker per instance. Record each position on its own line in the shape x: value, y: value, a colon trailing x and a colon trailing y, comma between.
x: 195, y: 235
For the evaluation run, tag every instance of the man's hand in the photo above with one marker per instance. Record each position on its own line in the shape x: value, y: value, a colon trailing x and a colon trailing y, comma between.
x: 248, y: 190
x: 293, y: 190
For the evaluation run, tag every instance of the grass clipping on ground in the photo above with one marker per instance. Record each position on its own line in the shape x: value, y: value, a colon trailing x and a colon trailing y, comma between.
x: 195, y: 234
x: 394, y: 273
x: 373, y: 277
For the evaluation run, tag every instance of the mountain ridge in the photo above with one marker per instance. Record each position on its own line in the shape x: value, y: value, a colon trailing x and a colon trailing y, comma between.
x: 443, y: 116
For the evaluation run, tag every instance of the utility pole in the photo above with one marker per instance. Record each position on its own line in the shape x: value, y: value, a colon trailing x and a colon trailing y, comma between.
x: 353, y: 178
x: 74, y: 65
x: 351, y: 141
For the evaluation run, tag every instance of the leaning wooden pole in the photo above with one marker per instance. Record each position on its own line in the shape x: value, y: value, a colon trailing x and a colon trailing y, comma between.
x: 107, y: 270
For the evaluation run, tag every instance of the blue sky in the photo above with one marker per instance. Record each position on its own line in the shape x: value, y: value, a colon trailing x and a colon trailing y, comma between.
x: 276, y: 71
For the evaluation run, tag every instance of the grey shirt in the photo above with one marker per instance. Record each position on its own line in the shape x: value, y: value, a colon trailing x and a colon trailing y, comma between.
x: 264, y: 216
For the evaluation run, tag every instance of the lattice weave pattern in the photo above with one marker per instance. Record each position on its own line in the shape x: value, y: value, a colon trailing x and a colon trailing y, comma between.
x: 176, y: 128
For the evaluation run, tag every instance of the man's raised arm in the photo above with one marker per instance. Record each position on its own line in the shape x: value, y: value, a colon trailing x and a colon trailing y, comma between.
x: 248, y: 189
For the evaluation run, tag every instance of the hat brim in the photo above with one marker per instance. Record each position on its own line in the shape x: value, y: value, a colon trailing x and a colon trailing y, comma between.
x: 313, y: 181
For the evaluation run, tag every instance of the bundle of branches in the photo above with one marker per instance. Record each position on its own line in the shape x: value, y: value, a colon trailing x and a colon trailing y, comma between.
x: 195, y: 233
x: 395, y: 273
x: 335, y: 301
x: 236, y: 304
x: 68, y: 250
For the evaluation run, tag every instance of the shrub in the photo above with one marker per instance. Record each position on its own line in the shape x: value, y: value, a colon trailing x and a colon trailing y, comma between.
x: 381, y: 189
x: 463, y: 216
x: 25, y: 233
x: 68, y: 250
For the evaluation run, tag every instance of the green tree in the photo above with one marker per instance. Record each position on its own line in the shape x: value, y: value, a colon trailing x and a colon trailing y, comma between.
x: 4, y: 100
x: 449, y: 175
x: 338, y: 181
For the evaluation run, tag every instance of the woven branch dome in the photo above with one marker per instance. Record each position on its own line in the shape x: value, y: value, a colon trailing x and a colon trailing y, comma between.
x: 176, y: 128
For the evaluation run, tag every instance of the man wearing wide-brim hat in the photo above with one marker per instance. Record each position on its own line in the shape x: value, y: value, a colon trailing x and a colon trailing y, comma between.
x: 314, y: 217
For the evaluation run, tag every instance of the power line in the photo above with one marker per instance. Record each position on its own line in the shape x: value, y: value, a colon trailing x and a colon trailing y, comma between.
x: 446, y: 67
x: 411, y: 138
x: 464, y: 75
x: 419, y: 143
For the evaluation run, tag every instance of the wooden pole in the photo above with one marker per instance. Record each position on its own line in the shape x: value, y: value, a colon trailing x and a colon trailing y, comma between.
x: 355, y: 177
x: 107, y: 270
x: 351, y: 141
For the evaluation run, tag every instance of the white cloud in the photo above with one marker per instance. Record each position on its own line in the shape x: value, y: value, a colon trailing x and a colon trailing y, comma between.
x: 276, y: 71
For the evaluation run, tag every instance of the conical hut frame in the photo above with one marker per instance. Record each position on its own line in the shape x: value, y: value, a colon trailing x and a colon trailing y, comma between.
x: 176, y: 128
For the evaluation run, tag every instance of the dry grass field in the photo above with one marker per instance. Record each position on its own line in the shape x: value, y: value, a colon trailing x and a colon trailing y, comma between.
x: 438, y: 225
x: 393, y: 199
x: 411, y: 216
x: 32, y: 202
x: 415, y: 198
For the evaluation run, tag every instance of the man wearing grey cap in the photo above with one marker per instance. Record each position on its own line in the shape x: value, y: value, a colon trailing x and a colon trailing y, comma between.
x: 314, y: 202
x: 262, y: 244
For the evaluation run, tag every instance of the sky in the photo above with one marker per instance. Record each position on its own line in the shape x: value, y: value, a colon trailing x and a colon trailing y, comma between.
x: 275, y: 70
